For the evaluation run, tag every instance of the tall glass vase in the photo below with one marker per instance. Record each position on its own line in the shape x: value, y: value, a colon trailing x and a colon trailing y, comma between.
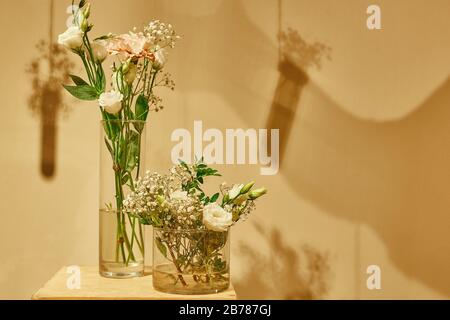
x: 121, y: 236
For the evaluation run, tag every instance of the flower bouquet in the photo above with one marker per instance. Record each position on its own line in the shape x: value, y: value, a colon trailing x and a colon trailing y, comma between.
x: 190, y: 229
x: 137, y: 71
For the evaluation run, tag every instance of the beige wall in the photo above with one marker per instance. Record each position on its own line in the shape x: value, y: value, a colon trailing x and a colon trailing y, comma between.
x: 364, y: 175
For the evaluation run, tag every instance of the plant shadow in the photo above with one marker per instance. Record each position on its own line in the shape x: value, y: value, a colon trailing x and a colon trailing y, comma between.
x: 47, y: 71
x: 285, y: 273
x: 296, y: 56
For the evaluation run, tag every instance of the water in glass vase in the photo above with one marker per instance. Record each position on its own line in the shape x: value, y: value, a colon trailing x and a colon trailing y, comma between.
x: 121, y: 236
x: 167, y: 279
x: 191, y: 261
x: 121, y: 250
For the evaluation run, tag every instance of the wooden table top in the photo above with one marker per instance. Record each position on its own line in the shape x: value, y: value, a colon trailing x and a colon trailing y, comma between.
x: 95, y: 287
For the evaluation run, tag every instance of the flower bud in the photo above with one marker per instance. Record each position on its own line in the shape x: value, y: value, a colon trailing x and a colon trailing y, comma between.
x: 125, y: 67
x: 129, y: 72
x: 84, y: 25
x: 99, y: 50
x: 235, y: 190
x: 160, y: 59
x: 257, y: 193
x: 87, y: 11
x: 247, y: 187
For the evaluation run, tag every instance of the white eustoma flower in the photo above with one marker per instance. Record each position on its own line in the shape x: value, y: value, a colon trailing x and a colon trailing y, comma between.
x: 216, y: 218
x: 99, y: 50
x: 179, y: 195
x: 72, y: 38
x: 235, y: 191
x: 160, y: 59
x: 111, y: 101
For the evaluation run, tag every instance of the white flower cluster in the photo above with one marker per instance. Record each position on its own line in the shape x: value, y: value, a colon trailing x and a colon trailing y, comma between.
x: 159, y: 201
x: 161, y: 34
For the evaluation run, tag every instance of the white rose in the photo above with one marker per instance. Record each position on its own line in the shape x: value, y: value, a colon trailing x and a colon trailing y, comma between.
x: 111, y: 101
x: 72, y: 38
x: 99, y: 50
x: 160, y: 59
x: 235, y: 191
x: 179, y: 195
x: 216, y: 218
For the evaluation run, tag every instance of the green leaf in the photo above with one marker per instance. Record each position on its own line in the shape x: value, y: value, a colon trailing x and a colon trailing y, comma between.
x: 108, y: 145
x: 78, y: 81
x: 82, y: 92
x: 141, y: 108
x: 145, y: 221
x: 162, y: 248
x: 122, y: 152
x: 104, y: 37
x: 132, y: 151
x: 102, y: 78
x: 214, y: 197
x: 184, y: 164
x: 112, y: 128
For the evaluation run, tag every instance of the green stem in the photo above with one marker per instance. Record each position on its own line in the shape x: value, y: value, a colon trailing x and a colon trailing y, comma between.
x: 175, y: 263
x: 124, y: 242
x: 141, y: 236
x: 123, y: 222
x: 150, y: 88
x: 120, y: 235
x: 139, y: 153
x: 88, y: 70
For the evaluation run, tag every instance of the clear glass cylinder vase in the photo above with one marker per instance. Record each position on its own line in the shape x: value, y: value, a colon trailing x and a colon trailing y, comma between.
x: 191, y: 261
x: 121, y: 236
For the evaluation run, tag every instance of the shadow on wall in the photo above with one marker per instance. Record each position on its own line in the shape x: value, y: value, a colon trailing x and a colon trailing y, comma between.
x: 286, y: 273
x: 46, y: 99
x: 392, y: 176
x: 235, y: 71
x: 296, y: 56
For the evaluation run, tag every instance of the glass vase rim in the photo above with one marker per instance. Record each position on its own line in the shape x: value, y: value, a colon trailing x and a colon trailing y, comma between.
x: 163, y: 229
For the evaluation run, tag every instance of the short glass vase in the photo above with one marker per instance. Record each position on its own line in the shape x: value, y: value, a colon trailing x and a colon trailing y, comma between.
x: 191, y: 261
